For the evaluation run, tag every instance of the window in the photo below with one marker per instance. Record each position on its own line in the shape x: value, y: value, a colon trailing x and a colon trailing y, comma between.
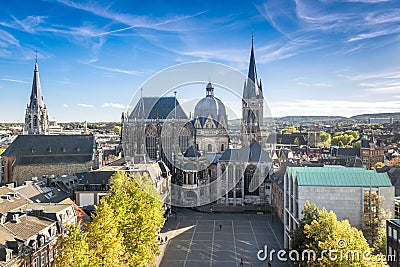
x: 35, y: 262
x: 222, y: 147
x: 43, y: 259
x: 209, y: 148
x: 51, y: 255
x: 395, y: 234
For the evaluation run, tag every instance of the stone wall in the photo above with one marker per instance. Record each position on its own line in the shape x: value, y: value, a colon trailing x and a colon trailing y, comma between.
x: 22, y: 173
x: 346, y: 202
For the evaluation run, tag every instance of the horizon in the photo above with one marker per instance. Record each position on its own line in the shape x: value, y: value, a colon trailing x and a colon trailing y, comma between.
x: 331, y: 58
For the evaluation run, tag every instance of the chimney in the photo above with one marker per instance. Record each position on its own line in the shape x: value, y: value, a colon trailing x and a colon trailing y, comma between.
x: 15, y: 218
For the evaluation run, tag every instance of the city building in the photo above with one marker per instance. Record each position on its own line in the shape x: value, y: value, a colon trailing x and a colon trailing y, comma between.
x: 393, y: 242
x: 46, y: 155
x: 341, y: 189
x: 29, y: 231
x: 36, y: 117
x: 371, y: 152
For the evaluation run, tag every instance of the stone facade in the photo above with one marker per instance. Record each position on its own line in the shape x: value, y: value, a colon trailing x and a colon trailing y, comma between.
x: 22, y: 173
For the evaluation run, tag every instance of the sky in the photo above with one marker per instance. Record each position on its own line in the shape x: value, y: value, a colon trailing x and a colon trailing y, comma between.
x: 326, y: 57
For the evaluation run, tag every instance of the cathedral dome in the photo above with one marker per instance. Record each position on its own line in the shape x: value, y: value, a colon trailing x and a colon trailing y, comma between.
x: 211, y: 106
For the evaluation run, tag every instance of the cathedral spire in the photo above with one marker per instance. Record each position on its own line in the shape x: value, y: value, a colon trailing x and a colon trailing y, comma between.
x: 36, y: 118
x: 36, y: 100
x: 252, y: 86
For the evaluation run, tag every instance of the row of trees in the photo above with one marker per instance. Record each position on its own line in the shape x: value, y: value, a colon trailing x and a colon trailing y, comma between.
x: 321, y: 232
x: 123, y: 231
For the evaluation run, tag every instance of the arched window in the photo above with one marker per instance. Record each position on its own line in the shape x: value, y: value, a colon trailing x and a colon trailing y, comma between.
x: 222, y: 147
x: 184, y: 138
x: 151, y: 141
x: 209, y: 148
x: 35, y: 121
x: 250, y: 181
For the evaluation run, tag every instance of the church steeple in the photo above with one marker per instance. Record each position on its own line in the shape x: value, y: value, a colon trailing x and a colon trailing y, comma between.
x: 252, y: 103
x: 36, y: 117
x: 36, y: 94
x: 252, y: 88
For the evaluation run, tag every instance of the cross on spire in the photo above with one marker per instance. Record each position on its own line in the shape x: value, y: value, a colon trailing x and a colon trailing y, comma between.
x: 36, y: 56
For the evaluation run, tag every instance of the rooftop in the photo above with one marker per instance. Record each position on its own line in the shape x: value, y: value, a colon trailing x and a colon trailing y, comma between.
x: 338, y: 177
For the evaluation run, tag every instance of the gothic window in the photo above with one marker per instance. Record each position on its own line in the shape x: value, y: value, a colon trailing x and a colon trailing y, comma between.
x: 250, y: 180
x: 209, y: 148
x: 184, y: 136
x: 35, y: 121
x: 222, y: 147
x: 151, y: 141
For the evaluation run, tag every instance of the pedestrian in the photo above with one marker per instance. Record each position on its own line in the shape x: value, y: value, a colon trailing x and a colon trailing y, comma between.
x: 220, y: 227
x: 241, y: 261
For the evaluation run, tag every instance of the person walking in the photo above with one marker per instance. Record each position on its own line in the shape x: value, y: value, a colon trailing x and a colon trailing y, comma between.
x: 241, y: 261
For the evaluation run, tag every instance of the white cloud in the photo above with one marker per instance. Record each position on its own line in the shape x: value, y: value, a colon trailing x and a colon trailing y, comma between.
x: 65, y: 105
x: 13, y: 80
x: 86, y: 105
x: 114, y: 105
x: 118, y: 70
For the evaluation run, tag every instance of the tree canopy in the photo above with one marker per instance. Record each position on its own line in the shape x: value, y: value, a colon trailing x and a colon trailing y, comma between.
x: 325, y: 139
x: 346, y: 138
x: 289, y: 130
x: 335, y: 243
x: 124, y: 229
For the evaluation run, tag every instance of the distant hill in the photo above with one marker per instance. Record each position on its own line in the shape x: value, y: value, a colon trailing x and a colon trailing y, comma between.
x: 395, y: 116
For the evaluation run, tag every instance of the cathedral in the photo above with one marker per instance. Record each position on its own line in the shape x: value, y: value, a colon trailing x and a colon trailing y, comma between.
x: 205, y: 165
x: 36, y: 118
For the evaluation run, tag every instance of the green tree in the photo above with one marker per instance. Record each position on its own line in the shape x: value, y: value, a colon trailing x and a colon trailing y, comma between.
x: 73, y: 248
x: 357, y: 144
x: 124, y: 229
x: 325, y: 139
x: 139, y: 213
x: 289, y: 130
x: 320, y: 230
x: 117, y: 129
x: 105, y: 241
x: 375, y: 217
x: 378, y: 165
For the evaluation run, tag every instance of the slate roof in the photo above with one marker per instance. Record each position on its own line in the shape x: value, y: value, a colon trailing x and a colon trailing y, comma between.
x: 288, y: 139
x: 47, y: 147
x: 191, y: 152
x: 254, y: 153
x: 28, y: 226
x: 157, y: 108
x: 338, y: 177
x: 347, y: 152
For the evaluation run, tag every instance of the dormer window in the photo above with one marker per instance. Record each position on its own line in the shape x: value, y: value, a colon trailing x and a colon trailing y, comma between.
x: 33, y: 149
x: 49, y: 149
x: 64, y: 149
x: 78, y: 149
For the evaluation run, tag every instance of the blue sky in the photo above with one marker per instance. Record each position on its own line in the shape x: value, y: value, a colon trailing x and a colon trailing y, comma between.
x: 314, y: 57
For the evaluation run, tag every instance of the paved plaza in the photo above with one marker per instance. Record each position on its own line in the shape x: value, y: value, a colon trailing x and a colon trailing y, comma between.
x: 195, y: 239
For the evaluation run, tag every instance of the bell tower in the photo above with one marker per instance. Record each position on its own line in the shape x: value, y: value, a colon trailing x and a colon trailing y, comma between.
x: 36, y: 117
x: 252, y: 103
